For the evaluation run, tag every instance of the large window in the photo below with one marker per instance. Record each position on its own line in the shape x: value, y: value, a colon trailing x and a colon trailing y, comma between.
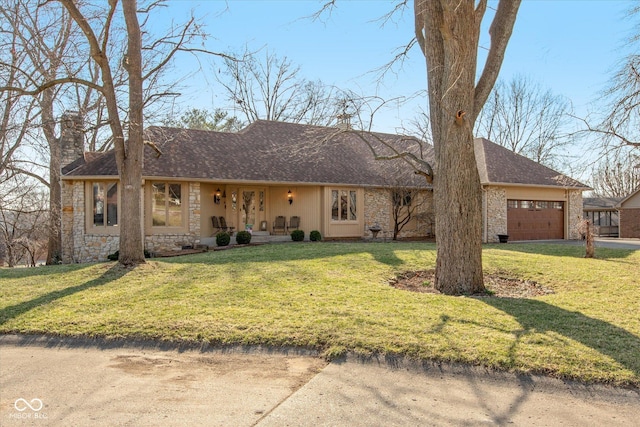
x: 343, y: 205
x: 104, y: 204
x: 401, y: 197
x: 166, y: 204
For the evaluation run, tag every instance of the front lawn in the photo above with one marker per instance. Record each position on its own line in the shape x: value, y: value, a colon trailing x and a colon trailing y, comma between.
x: 335, y: 297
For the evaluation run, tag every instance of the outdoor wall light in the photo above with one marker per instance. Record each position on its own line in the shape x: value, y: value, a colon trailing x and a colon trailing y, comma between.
x: 290, y: 197
x: 216, y: 197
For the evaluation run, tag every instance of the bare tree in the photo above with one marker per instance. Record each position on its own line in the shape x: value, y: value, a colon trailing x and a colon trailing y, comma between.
x: 421, y: 127
x: 526, y: 119
x: 617, y: 133
x: 111, y: 66
x: 408, y: 203
x: 617, y: 174
x: 23, y: 220
x: 272, y: 89
x: 42, y: 37
x: 448, y: 33
x: 201, y: 119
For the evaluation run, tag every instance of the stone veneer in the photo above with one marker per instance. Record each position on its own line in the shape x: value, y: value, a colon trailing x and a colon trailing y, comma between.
x: 574, y: 214
x: 78, y: 246
x: 494, y: 202
x: 377, y: 210
x: 175, y: 241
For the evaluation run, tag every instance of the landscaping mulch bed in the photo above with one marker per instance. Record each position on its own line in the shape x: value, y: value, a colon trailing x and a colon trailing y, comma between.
x: 179, y: 252
x: 498, y: 285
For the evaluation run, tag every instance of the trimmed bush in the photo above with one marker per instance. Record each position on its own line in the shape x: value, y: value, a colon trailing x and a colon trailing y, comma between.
x: 315, y: 236
x: 297, y: 235
x: 243, y: 237
x: 223, y: 239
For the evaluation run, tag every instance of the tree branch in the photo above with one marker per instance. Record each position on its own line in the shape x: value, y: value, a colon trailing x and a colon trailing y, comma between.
x: 50, y: 84
x: 500, y: 32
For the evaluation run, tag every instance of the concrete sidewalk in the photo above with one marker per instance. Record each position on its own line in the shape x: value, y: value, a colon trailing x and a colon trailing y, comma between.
x: 63, y: 383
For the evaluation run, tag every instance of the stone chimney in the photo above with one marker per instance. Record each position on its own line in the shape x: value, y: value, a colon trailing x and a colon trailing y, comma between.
x: 71, y: 137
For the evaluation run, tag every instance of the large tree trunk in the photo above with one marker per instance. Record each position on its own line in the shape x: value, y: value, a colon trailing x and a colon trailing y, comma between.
x: 451, y: 59
x: 448, y: 32
x: 131, y: 240
x: 458, y: 216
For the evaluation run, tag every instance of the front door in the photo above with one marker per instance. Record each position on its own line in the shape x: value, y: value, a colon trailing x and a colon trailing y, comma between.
x: 252, y: 211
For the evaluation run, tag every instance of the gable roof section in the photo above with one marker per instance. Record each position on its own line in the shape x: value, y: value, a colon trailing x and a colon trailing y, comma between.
x: 600, y: 203
x: 264, y: 151
x: 499, y: 165
x: 621, y: 203
x: 279, y: 152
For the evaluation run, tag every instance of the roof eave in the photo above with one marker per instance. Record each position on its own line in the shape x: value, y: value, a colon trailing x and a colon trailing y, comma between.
x: 516, y: 184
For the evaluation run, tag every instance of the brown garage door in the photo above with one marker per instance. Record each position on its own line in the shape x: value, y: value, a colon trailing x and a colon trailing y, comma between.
x: 535, y: 220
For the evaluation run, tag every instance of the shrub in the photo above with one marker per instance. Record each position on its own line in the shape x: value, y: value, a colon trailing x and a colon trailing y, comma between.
x: 114, y: 256
x: 223, y: 239
x: 315, y: 236
x: 297, y: 235
x: 243, y: 237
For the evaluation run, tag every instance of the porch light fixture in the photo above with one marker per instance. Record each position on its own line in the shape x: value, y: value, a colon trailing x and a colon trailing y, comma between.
x: 216, y: 197
x: 290, y: 197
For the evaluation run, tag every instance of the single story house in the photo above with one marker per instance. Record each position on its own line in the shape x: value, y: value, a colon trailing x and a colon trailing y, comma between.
x: 603, y: 214
x: 629, y: 210
x: 327, y: 178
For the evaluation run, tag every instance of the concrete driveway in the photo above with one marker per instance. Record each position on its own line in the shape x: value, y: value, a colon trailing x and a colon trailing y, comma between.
x: 47, y: 382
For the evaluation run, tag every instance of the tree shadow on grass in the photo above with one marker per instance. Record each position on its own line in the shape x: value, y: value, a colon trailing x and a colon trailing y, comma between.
x: 603, y: 337
x: 570, y: 249
x: 384, y: 253
x: 13, y: 311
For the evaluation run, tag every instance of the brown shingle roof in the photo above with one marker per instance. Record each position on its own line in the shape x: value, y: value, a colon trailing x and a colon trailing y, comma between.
x: 499, y: 165
x: 600, y: 203
x: 265, y: 151
x: 268, y: 151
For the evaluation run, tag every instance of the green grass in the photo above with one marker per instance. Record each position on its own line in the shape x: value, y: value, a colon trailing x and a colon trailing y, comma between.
x: 335, y: 297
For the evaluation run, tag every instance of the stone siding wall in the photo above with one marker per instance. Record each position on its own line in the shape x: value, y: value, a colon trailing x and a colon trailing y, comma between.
x: 495, y: 208
x: 67, y: 218
x: 378, y: 211
x: 574, y: 214
x: 630, y: 223
x: 175, y: 241
x: 78, y: 246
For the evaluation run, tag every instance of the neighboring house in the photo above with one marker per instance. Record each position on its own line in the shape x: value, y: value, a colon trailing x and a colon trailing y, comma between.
x: 326, y: 177
x: 603, y: 214
x: 629, y: 209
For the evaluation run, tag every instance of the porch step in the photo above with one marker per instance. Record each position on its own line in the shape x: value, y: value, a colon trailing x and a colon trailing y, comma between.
x: 265, y: 237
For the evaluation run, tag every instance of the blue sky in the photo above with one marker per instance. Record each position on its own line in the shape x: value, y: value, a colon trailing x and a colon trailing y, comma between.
x: 568, y: 46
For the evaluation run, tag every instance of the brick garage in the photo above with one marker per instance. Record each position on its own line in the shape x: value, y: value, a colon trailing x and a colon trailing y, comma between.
x: 630, y: 223
x: 629, y: 209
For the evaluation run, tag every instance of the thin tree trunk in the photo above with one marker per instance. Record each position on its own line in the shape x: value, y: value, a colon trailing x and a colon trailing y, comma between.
x: 54, y: 247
